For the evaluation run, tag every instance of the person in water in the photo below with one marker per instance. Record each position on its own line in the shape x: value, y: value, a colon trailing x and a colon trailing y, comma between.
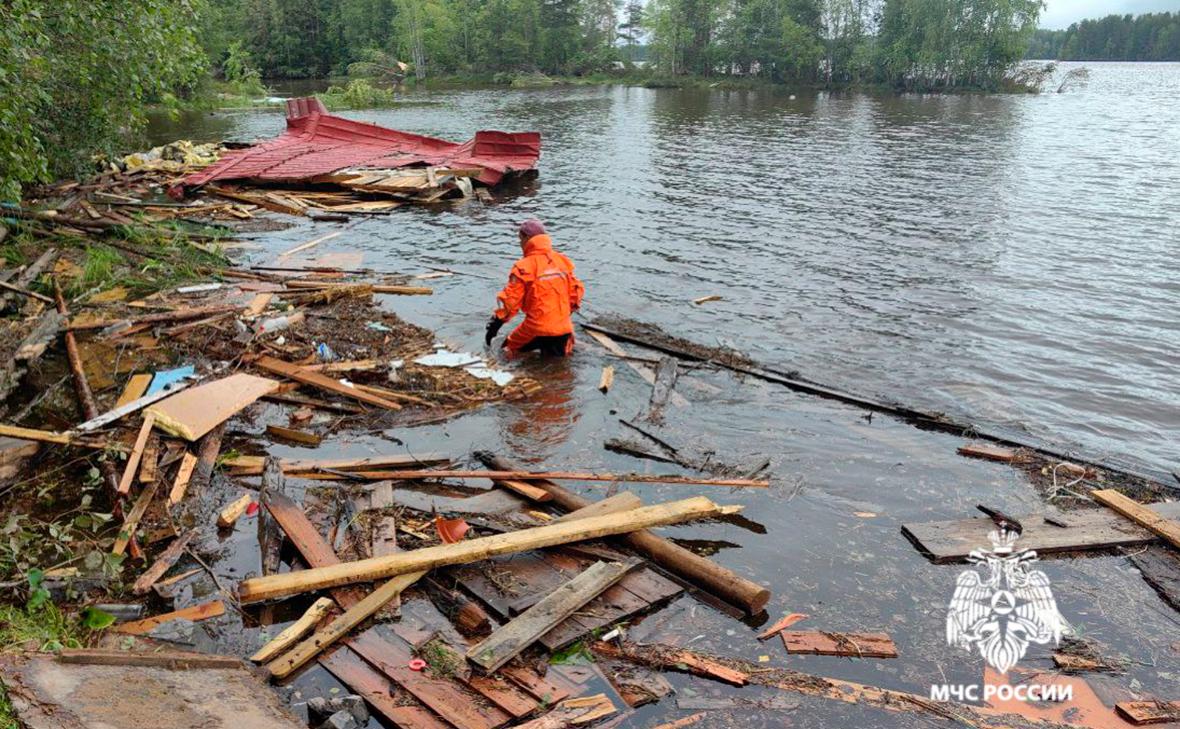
x: 543, y: 284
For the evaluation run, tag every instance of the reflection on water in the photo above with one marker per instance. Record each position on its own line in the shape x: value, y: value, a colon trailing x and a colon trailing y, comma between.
x: 536, y: 427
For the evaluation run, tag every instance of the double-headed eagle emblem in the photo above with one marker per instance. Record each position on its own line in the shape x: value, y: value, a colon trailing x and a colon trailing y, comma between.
x: 1002, y: 612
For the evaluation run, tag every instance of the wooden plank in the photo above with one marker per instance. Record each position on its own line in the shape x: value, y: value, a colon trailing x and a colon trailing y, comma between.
x: 163, y: 563
x: 132, y: 467
x: 258, y: 304
x: 308, y: 542
x: 1160, y: 567
x: 684, y: 660
x: 780, y: 625
x: 952, y: 541
x: 643, y: 371
x: 183, y: 474
x: 854, y: 645
x: 473, y: 550
x: 1168, y: 529
x: 229, y: 515
x: 299, y: 656
x: 1149, y: 712
x: 508, y: 641
x: 315, y: 379
x: 374, y: 688
x: 988, y: 452
x: 294, y: 631
x: 622, y: 501
x: 615, y: 601
x: 198, y: 410
x: 203, y: 611
x: 136, y: 386
x: 525, y: 489
x: 172, y: 660
x: 252, y: 465
x: 40, y: 436
x: 392, y: 657
x: 308, y: 244
x: 540, y: 688
x: 606, y: 379
x: 667, y: 371
x: 147, y: 464
x: 502, y: 694
x: 415, y: 475
x: 131, y: 522
x: 134, y: 406
x: 293, y: 434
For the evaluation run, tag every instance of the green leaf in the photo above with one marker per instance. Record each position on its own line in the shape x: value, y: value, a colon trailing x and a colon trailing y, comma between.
x: 96, y: 619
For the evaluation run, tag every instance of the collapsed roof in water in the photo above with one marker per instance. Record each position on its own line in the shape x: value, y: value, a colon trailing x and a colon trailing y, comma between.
x: 317, y: 144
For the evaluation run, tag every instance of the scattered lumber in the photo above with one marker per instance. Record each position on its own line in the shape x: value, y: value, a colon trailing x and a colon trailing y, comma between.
x: 131, y: 522
x: 298, y: 656
x: 163, y: 563
x: 208, y: 449
x: 780, y: 625
x: 606, y: 379
x: 374, y: 688
x: 377, y: 288
x: 293, y: 434
x: 199, y: 312
x: 130, y: 407
x: 509, y: 640
x: 643, y: 371
x: 229, y: 516
x: 1149, y: 712
x: 471, y: 550
x: 183, y: 475
x: 692, y: 567
x: 252, y: 465
x: 952, y: 541
x: 574, y: 712
x: 196, y: 411
x: 25, y: 292
x: 824, y: 643
x: 1168, y: 529
x: 500, y: 476
x: 202, y: 611
x: 673, y: 658
x: 315, y: 379
x: 136, y: 454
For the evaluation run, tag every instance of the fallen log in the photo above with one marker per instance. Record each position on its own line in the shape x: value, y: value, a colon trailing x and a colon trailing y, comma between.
x: 529, y: 476
x: 695, y: 569
x: 472, y: 550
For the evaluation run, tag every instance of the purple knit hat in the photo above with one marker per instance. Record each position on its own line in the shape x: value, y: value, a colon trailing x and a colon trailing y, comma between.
x: 531, y: 227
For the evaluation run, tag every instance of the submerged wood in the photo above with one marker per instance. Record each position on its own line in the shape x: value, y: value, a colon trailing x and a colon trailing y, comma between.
x: 472, y: 550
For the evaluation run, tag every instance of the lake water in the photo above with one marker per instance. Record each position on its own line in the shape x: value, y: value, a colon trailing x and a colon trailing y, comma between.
x: 1009, y: 260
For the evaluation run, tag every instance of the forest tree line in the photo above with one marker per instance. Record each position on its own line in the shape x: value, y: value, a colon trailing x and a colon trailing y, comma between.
x: 1149, y: 37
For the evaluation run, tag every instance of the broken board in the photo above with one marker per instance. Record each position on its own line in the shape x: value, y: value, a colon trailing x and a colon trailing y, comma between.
x: 851, y: 645
x: 51, y: 693
x: 198, y: 410
x: 952, y: 541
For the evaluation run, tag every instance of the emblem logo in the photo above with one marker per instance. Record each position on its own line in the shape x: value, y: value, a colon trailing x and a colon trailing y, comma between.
x: 1003, y: 611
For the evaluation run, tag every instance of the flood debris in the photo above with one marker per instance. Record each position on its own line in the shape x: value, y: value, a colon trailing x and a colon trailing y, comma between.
x: 850, y: 645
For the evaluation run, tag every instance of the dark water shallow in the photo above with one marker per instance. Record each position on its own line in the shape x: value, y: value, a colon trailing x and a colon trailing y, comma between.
x: 1008, y: 260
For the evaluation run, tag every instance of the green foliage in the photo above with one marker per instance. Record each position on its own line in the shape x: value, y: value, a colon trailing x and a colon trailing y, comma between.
x: 359, y: 93
x: 1149, y: 37
x: 239, y: 71
x: 76, y: 76
x: 441, y: 659
x: 48, y: 627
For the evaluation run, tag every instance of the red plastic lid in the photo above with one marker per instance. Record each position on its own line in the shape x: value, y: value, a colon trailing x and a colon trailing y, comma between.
x: 417, y: 664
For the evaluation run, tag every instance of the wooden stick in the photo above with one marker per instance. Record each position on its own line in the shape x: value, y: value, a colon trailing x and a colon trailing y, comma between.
x: 203, y: 611
x: 25, y: 292
x: 377, y: 288
x: 132, y: 466
x: 41, y: 436
x: 309, y: 244
x: 688, y: 565
x: 315, y: 379
x: 127, y: 531
x: 253, y: 465
x: 549, y: 476
x: 1140, y: 514
x: 606, y: 379
x: 473, y: 550
x: 299, y: 655
x: 163, y: 563
x: 167, y: 316
x: 183, y: 475
x: 294, y: 631
x: 510, y: 639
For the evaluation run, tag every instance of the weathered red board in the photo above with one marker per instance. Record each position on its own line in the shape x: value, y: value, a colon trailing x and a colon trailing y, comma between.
x: 319, y: 143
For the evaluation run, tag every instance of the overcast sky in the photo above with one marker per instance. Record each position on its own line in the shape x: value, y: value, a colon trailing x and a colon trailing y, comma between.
x: 1060, y: 13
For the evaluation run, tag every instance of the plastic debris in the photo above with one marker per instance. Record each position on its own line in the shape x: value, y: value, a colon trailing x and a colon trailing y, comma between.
x: 324, y: 353
x: 417, y: 664
x: 451, y: 530
x: 165, y: 378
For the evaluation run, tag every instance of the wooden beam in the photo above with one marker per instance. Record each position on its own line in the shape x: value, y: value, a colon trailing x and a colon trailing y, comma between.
x: 133, y: 459
x: 509, y: 640
x: 688, y: 565
x: 183, y: 475
x: 315, y: 379
x: 622, y: 501
x: 163, y: 563
x: 298, y: 656
x: 505, y: 476
x: 127, y: 531
x: 294, y: 631
x: 202, y: 611
x: 473, y: 550
x: 1168, y: 529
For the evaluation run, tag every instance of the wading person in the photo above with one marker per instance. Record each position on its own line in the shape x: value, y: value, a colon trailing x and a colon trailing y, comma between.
x: 543, y: 284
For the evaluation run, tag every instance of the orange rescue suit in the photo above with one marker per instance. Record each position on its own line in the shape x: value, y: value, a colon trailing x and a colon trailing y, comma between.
x: 543, y: 284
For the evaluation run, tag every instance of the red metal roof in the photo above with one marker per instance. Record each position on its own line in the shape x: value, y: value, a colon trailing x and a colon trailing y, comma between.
x: 318, y: 143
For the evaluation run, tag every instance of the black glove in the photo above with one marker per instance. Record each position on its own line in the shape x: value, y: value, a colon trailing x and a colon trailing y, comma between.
x: 492, y: 330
